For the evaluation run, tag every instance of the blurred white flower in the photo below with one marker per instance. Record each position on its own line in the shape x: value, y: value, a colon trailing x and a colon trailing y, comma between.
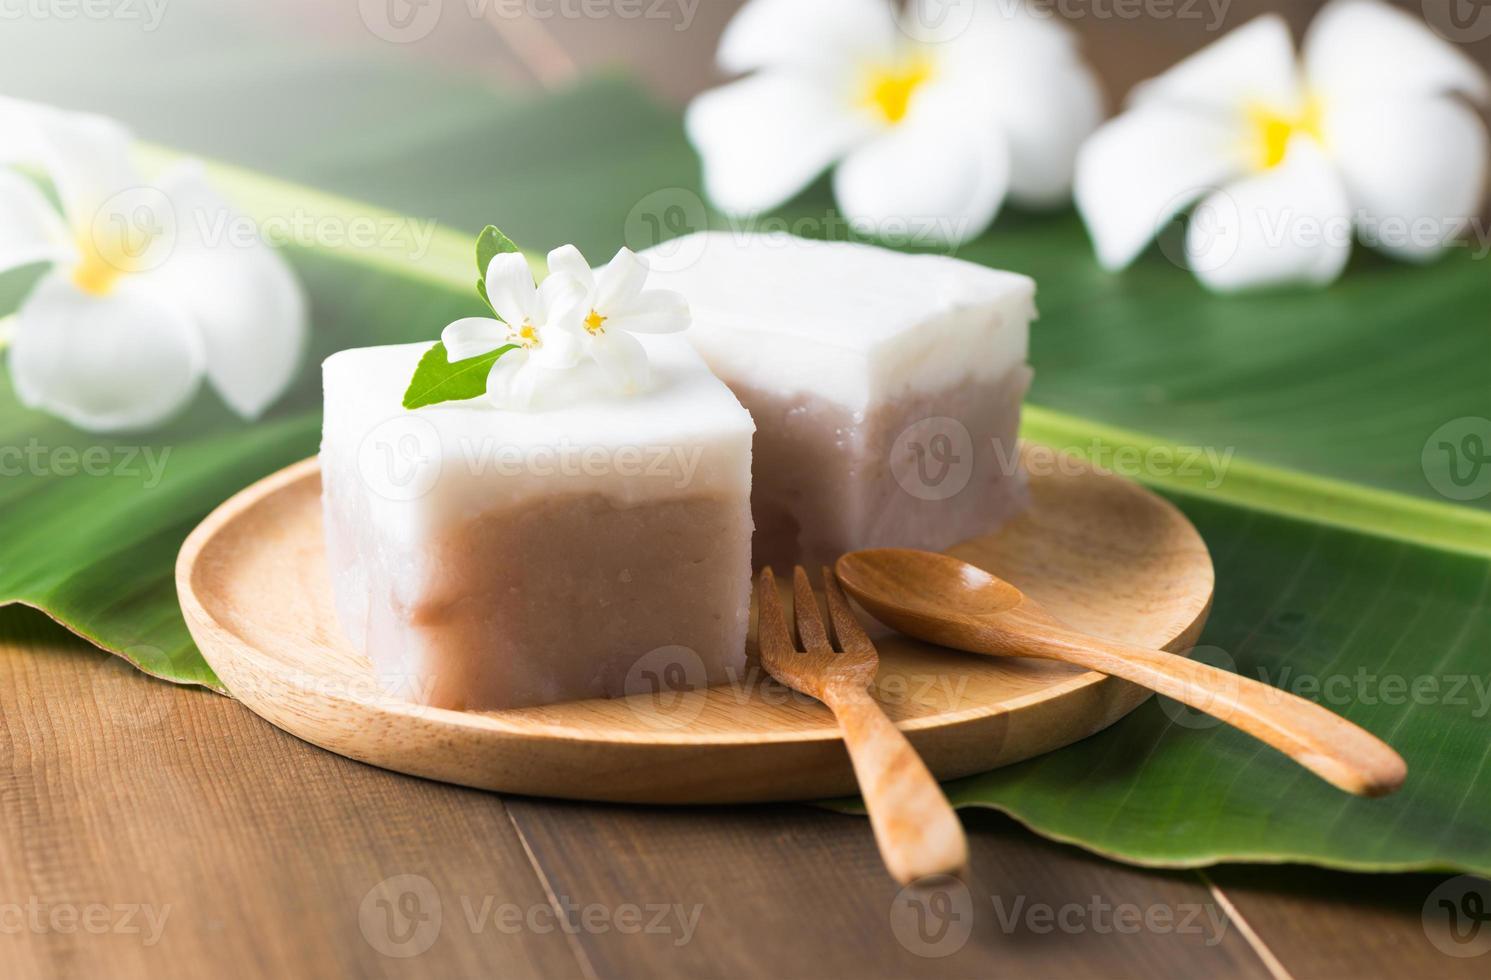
x: 542, y: 322
x: 1366, y: 130
x: 615, y: 307
x: 139, y: 303
x: 937, y: 116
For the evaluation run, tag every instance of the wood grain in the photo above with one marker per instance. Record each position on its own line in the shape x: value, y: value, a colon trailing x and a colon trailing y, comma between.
x: 253, y: 852
x: 120, y: 789
x: 1105, y: 554
x: 786, y: 892
x: 1320, y: 923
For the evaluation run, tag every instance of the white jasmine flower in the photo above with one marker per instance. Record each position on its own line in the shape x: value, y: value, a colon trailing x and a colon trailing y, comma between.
x: 936, y: 117
x: 543, y: 323
x: 1287, y: 155
x: 615, y: 306
x: 139, y: 304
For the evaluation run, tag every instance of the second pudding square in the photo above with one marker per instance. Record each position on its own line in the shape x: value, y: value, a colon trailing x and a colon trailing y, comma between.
x: 885, y: 387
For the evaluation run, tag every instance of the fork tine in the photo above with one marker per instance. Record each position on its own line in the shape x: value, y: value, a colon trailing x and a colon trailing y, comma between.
x: 810, y: 630
x: 850, y: 636
x: 771, y: 626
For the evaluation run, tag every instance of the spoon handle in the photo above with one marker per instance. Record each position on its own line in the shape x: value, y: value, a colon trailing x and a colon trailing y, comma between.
x: 918, y: 833
x: 1341, y: 753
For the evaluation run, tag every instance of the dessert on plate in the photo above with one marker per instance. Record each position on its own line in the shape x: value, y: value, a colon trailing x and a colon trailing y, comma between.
x: 533, y: 509
x: 885, y: 387
x: 556, y: 501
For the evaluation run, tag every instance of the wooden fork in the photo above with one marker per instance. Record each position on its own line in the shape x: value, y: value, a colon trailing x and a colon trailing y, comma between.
x: 917, y: 831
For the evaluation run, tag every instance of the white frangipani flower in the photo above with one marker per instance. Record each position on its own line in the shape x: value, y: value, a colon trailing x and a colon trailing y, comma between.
x: 1366, y: 130
x: 140, y: 303
x: 616, y: 306
x: 543, y: 321
x: 937, y: 117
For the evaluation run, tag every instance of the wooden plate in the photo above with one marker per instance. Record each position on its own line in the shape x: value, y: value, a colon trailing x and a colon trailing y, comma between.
x: 1102, y: 553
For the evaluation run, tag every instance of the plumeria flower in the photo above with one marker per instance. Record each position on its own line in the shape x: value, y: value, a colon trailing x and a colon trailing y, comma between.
x: 139, y: 304
x: 1287, y: 155
x: 937, y: 116
x: 615, y: 306
x: 543, y: 323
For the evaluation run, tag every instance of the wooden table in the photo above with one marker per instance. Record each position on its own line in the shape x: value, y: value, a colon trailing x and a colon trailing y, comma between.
x: 153, y: 831
x: 149, y: 830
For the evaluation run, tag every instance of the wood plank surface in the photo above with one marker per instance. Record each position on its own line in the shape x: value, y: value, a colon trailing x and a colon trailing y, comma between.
x: 778, y: 888
x: 153, y: 831
x: 196, y: 836
x: 1321, y: 923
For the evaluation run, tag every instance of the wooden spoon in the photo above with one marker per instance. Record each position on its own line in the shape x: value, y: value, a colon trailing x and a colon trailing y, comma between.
x: 949, y: 602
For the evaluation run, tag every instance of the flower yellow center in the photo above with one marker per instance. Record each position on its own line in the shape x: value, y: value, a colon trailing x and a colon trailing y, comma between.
x: 594, y: 322
x: 527, y: 335
x: 1273, y: 129
x: 889, y: 88
x: 96, y: 273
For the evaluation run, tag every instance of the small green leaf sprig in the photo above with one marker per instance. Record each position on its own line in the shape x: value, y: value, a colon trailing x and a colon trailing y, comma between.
x: 437, y: 378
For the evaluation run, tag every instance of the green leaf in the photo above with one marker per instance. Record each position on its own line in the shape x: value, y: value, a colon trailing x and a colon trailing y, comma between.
x: 1339, y: 550
x: 438, y: 379
x: 490, y: 244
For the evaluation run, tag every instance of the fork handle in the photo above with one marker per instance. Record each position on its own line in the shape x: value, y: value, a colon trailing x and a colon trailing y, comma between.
x: 917, y: 831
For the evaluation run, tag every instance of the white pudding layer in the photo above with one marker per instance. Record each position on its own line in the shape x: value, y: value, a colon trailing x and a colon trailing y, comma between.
x: 849, y: 323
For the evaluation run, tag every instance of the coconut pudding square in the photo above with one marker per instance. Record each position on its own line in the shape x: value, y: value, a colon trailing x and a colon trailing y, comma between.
x: 485, y: 558
x: 886, y: 387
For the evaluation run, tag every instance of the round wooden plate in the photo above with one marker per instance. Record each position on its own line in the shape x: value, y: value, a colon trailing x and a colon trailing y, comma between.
x: 1099, y: 552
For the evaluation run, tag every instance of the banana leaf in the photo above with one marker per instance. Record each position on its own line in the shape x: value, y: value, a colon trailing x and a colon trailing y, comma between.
x: 1321, y: 441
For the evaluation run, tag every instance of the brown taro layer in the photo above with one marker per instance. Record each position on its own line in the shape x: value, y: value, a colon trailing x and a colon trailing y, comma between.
x: 922, y: 471
x: 562, y: 598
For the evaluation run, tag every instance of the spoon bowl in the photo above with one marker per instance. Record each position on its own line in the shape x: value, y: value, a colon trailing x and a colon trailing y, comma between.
x: 949, y: 591
x: 946, y: 585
